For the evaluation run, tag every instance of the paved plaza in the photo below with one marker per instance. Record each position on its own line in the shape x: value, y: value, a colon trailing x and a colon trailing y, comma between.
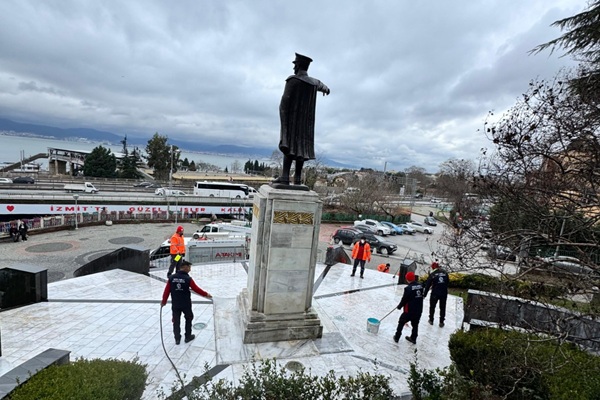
x: 117, y: 314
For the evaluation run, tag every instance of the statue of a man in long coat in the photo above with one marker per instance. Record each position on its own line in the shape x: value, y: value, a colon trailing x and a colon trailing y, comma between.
x: 297, y: 114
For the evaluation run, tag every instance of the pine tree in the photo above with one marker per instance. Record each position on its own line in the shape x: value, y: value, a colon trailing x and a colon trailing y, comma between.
x: 100, y: 163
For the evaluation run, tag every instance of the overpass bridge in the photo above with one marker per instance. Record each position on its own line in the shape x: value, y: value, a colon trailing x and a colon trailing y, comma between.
x: 18, y: 164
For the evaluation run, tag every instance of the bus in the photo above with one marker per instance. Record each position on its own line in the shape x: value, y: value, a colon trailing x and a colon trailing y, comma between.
x: 221, y: 189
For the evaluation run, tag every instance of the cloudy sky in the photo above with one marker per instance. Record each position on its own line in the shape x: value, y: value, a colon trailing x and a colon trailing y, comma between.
x: 411, y: 81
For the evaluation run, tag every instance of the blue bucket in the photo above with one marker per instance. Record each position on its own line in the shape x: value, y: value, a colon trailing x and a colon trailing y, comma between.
x: 373, y: 325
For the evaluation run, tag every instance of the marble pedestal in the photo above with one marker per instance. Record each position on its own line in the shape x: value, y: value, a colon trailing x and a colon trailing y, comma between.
x: 277, y: 304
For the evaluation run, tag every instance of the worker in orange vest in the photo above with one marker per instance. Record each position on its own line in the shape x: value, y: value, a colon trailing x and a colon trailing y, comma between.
x: 177, y: 250
x: 383, y: 267
x: 361, y: 252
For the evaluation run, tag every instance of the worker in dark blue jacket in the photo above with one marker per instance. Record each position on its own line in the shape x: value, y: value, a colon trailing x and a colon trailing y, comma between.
x: 412, y: 306
x: 178, y: 286
x: 438, y: 284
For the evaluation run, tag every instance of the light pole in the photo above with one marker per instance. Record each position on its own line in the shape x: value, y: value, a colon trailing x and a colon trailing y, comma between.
x: 76, y: 196
x: 176, y: 207
x: 170, y: 182
x: 171, y: 170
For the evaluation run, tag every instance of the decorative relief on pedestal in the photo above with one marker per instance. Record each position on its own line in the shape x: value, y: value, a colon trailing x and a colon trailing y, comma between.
x: 291, y: 217
x: 255, y: 210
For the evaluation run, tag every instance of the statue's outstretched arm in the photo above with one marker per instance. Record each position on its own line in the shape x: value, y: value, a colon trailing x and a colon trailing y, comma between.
x: 321, y: 87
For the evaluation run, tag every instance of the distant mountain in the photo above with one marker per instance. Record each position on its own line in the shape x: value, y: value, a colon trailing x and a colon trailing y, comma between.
x: 58, y: 133
x: 103, y: 136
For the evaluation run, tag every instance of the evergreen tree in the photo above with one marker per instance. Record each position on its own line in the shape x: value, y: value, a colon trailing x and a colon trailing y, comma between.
x: 100, y: 163
x: 159, y: 156
x: 129, y: 167
x: 192, y: 166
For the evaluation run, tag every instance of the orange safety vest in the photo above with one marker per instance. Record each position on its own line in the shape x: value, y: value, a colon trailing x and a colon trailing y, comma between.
x: 177, y: 244
x: 383, y: 268
x: 366, y: 251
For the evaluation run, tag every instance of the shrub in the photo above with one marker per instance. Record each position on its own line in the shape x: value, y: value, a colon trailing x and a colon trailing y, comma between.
x: 86, y: 379
x: 525, y: 366
x: 445, y: 384
x: 267, y: 380
x: 513, y: 287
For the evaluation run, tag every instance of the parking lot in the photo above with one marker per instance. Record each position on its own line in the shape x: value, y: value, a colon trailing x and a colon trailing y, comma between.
x: 63, y: 252
x: 419, y: 246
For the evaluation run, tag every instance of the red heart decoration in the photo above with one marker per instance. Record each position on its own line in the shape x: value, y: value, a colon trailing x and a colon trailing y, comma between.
x: 10, y: 208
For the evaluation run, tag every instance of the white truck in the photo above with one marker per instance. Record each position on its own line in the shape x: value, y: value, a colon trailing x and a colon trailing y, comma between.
x: 377, y: 227
x: 214, y: 230
x: 86, y: 187
x: 203, y: 251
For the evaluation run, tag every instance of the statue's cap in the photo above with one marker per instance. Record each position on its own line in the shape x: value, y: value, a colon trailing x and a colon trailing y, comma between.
x: 302, y: 60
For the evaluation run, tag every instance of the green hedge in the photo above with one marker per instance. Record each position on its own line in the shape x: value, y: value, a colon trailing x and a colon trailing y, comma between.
x: 512, y: 287
x: 86, y: 379
x: 525, y: 366
x: 267, y: 380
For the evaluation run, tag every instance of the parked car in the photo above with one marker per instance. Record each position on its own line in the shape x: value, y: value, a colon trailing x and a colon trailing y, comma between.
x: 143, y: 184
x: 380, y: 229
x: 430, y: 221
x: 501, y: 253
x: 365, y: 228
x: 6, y: 180
x: 420, y: 227
x: 568, y: 264
x: 24, y: 179
x: 169, y: 192
x: 346, y: 235
x: 378, y: 243
x: 408, y: 230
x: 396, y: 230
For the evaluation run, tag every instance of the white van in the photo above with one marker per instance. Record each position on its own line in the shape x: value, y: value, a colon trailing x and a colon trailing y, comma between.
x: 251, y: 192
x: 211, y: 250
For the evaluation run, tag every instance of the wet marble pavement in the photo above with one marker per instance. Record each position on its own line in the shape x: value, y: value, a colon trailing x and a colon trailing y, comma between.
x: 117, y: 314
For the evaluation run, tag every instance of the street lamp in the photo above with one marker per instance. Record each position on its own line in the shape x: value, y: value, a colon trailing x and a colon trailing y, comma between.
x: 170, y: 181
x: 171, y: 169
x: 76, y: 196
x: 176, y: 207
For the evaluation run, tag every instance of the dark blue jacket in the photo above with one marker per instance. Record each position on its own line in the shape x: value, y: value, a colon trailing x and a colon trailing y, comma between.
x: 438, y: 283
x: 178, y: 286
x: 412, y: 299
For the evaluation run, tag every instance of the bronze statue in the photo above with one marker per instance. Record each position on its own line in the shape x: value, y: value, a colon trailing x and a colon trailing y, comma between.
x: 297, y: 114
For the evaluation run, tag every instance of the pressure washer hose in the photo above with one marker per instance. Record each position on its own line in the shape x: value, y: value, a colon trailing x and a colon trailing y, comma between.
x: 162, y: 340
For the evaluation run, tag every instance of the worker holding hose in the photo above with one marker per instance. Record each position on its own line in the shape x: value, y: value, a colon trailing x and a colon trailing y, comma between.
x: 178, y: 286
x: 412, y: 306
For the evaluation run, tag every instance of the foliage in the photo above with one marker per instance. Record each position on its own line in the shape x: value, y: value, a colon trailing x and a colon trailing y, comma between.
x: 425, y: 384
x: 253, y: 167
x: 130, y: 164
x: 513, y: 287
x: 445, y: 384
x: 524, y: 366
x: 158, y: 157
x: 206, y: 167
x: 86, y: 379
x: 100, y: 163
x: 583, y: 38
x: 267, y: 380
x: 371, y: 195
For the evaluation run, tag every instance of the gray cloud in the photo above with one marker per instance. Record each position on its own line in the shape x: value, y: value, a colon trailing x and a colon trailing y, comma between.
x: 411, y: 81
